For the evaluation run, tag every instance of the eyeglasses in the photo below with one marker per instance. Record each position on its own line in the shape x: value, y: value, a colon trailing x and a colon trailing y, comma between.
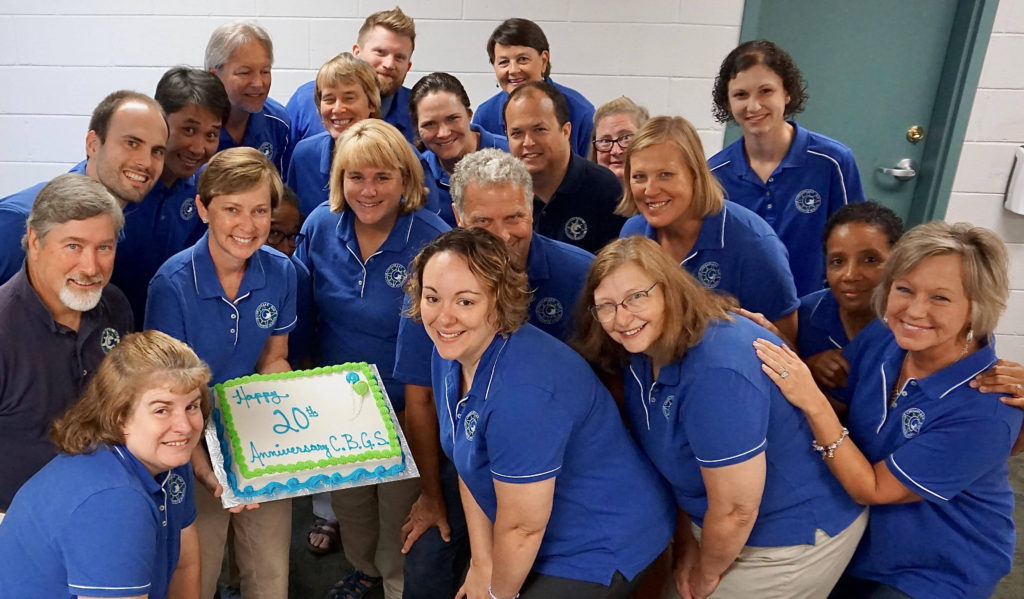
x: 605, y: 143
x: 275, y: 237
x: 635, y: 302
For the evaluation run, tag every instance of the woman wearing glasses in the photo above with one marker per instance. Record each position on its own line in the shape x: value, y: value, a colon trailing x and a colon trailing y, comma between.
x: 674, y: 199
x: 615, y: 123
x: 760, y: 514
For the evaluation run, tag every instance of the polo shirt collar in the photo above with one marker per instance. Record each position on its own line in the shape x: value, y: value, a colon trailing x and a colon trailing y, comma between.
x: 133, y: 465
x: 711, y: 235
x: 574, y: 175
x: 825, y: 313
x: 487, y: 139
x: 959, y: 373
x: 205, y: 275
x: 797, y: 154
x: 326, y: 158
x: 537, y: 260
x: 387, y: 103
x: 436, y: 169
x: 396, y: 241
x: 488, y: 366
x: 669, y: 375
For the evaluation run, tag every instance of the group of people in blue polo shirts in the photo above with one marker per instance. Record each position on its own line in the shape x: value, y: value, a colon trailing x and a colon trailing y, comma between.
x: 769, y: 221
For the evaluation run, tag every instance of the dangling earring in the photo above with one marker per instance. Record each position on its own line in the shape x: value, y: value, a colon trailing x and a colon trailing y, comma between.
x: 967, y: 343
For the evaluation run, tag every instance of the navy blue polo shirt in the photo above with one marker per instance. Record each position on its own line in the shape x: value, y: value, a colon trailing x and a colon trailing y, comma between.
x: 14, y: 210
x: 714, y: 407
x: 820, y: 328
x: 269, y: 131
x: 738, y: 254
x: 187, y: 301
x: 358, y: 303
x: 949, y: 444
x: 537, y: 411
x: 441, y: 203
x: 307, y: 122
x: 817, y: 176
x: 95, y: 525
x: 44, y: 368
x: 582, y: 210
x: 555, y: 271
x: 163, y: 224
x: 491, y: 116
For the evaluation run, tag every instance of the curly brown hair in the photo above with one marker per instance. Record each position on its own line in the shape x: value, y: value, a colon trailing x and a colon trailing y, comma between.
x: 492, y: 265
x: 753, y: 53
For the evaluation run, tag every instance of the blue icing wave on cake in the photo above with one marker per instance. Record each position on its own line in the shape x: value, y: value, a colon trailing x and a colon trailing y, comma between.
x: 292, y: 484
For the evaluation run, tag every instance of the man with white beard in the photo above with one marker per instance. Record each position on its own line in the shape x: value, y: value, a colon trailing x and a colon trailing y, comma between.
x: 58, y: 319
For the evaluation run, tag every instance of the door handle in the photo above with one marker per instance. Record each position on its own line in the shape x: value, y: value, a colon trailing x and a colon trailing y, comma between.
x: 905, y: 169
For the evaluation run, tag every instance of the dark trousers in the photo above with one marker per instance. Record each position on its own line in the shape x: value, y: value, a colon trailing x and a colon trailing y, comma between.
x: 850, y: 587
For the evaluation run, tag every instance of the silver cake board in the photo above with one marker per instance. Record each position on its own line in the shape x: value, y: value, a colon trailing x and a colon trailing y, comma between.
x: 229, y: 499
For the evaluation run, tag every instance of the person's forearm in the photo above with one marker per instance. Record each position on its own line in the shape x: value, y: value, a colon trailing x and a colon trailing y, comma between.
x: 478, y: 527
x: 185, y: 583
x: 422, y: 433
x: 723, y: 535
x: 514, y: 551
x: 275, y: 365
x: 853, y: 471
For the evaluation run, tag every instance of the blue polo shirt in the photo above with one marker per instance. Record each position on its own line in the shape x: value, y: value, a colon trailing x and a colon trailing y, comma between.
x: 441, y: 203
x: 359, y: 303
x: 95, y: 525
x: 269, y: 131
x: 187, y: 302
x: 738, y: 254
x: 714, y: 407
x: 537, y: 411
x: 948, y: 443
x: 44, y: 368
x: 555, y: 271
x: 582, y: 210
x: 309, y: 173
x: 306, y: 120
x: 817, y: 176
x: 163, y: 224
x: 491, y: 116
x: 300, y: 340
x: 819, y: 326
x: 14, y: 210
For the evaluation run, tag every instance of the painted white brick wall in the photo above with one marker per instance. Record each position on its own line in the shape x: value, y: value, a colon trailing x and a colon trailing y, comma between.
x: 995, y: 129
x: 60, y: 57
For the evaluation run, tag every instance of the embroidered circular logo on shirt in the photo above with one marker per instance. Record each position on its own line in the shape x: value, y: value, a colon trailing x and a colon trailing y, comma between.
x: 188, y: 209
x: 394, y: 276
x: 108, y: 339
x: 266, y: 315
x: 807, y: 201
x: 175, y: 488
x: 471, y: 419
x: 913, y: 419
x: 709, y: 274
x: 549, y: 310
x: 576, y: 228
x: 666, y: 408
x: 268, y: 149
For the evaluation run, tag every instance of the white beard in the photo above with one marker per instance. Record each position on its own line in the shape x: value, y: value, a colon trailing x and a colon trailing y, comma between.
x: 80, y: 301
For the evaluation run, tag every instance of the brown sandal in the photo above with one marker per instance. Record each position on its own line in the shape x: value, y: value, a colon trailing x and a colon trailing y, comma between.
x: 328, y: 529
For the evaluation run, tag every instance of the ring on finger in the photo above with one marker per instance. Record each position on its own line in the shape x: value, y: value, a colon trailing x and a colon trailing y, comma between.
x: 784, y: 374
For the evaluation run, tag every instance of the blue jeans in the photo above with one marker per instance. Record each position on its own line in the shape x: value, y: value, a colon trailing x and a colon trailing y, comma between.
x: 850, y: 587
x: 435, y: 569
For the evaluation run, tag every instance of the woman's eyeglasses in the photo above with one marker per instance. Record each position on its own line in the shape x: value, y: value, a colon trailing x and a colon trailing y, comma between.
x: 277, y: 237
x: 605, y: 143
x: 635, y: 302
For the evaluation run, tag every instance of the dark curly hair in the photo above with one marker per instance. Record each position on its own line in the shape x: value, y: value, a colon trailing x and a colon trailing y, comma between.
x: 869, y: 213
x: 753, y: 53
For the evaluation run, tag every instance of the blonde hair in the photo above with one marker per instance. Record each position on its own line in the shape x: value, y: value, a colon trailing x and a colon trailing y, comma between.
x: 689, y: 307
x: 346, y: 68
x: 620, y: 105
x: 140, y: 362
x: 393, y: 20
x: 984, y: 261
x: 377, y: 144
x: 490, y: 262
x: 708, y: 197
x: 236, y: 170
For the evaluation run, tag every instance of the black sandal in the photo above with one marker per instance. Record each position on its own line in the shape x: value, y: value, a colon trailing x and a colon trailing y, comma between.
x: 327, y: 528
x: 353, y: 586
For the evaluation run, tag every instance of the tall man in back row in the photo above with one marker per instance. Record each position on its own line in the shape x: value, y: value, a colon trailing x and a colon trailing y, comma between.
x: 574, y: 199
x: 491, y: 190
x: 386, y: 41
x: 58, y: 318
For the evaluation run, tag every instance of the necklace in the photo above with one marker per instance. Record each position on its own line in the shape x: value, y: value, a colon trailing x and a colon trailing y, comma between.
x: 896, y: 388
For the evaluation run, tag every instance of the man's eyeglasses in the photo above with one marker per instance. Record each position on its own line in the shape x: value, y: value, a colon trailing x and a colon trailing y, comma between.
x: 605, y: 143
x: 635, y: 302
x: 277, y: 237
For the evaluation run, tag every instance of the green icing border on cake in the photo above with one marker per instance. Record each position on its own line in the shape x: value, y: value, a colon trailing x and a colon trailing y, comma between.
x: 394, y: 448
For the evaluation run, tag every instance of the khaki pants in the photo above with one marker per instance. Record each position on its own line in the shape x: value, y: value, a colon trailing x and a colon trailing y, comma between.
x: 370, y: 520
x: 791, y: 572
x: 262, y: 537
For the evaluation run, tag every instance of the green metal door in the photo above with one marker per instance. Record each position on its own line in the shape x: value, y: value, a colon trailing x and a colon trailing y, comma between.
x: 881, y: 78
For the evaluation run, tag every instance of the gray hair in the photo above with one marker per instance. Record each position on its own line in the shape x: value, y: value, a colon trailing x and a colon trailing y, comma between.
x: 985, y: 264
x: 71, y: 197
x: 230, y: 37
x: 489, y: 167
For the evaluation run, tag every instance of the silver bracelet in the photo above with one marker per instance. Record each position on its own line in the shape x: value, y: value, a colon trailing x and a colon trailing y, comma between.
x: 493, y: 596
x: 829, y: 450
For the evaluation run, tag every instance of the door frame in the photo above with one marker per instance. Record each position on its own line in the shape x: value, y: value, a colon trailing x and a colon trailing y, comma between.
x: 961, y: 70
